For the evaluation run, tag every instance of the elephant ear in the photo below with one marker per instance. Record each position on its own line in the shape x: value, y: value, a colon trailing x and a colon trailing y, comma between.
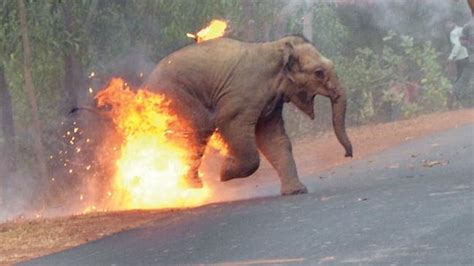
x: 290, y: 61
x: 297, y: 95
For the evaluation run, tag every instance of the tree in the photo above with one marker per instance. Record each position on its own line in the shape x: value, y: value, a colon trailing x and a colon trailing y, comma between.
x: 8, y: 155
x: 7, y: 126
x: 30, y: 90
x: 75, y: 47
x: 8, y: 144
x: 249, y: 31
x: 308, y: 20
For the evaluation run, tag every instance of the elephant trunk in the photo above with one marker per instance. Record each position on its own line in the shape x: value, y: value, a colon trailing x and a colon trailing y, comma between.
x: 338, y: 121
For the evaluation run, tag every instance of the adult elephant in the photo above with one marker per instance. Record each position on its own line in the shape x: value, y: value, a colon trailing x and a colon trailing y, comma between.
x: 239, y: 89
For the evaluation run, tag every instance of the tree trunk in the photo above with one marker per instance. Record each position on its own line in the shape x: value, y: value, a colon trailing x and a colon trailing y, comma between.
x: 8, y: 154
x: 71, y: 82
x: 302, y: 121
x: 308, y: 20
x: 7, y: 125
x: 30, y: 90
x: 280, y: 21
x: 73, y: 72
x: 249, y: 32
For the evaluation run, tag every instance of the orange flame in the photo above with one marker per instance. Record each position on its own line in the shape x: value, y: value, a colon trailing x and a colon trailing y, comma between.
x: 215, y: 30
x: 151, y: 163
x: 217, y: 142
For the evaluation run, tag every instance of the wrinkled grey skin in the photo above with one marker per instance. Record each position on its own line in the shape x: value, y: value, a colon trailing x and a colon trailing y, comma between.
x: 239, y: 88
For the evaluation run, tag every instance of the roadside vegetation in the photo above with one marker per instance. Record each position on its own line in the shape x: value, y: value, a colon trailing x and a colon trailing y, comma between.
x: 54, y: 55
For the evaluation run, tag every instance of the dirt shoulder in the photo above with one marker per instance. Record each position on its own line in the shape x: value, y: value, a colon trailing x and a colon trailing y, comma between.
x: 25, y: 239
x: 371, y: 139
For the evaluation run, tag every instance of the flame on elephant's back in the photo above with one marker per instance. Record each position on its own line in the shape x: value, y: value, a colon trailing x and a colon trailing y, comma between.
x: 152, y: 162
x: 214, y: 30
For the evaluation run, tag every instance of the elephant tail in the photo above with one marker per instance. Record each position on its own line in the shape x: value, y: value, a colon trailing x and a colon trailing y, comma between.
x: 85, y: 108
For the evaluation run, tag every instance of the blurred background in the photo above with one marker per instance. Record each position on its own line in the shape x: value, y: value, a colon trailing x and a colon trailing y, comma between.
x: 391, y: 56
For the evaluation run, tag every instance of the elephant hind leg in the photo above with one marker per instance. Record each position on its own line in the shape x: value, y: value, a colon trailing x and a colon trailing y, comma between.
x: 192, y: 178
x: 199, y: 129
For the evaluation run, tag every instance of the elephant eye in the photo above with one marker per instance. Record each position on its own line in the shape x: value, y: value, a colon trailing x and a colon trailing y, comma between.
x: 320, y: 74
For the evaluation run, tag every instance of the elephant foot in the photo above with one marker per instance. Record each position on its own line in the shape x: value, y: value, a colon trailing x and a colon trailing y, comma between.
x: 232, y: 169
x: 227, y: 176
x: 294, y: 189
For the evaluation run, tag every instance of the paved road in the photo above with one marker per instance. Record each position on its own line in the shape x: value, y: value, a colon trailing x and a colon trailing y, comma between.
x: 411, y: 204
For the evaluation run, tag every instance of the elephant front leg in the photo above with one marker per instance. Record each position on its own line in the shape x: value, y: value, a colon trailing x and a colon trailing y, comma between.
x: 275, y: 145
x: 243, y: 158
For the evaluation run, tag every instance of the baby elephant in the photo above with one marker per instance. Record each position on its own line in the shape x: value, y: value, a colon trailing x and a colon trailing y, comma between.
x: 239, y: 89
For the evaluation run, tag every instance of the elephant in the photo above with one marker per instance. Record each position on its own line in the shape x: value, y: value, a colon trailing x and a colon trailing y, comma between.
x: 239, y: 89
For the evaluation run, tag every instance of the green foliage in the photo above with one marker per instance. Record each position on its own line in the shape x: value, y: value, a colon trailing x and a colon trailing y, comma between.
x: 404, y: 80
x: 105, y: 31
x: 330, y: 34
x: 362, y: 82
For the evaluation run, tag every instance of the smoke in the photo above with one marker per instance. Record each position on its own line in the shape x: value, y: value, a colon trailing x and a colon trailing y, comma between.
x: 72, y: 139
x: 424, y: 20
x: 17, y: 194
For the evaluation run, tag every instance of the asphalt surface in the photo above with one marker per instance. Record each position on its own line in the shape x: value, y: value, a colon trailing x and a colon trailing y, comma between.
x: 412, y: 204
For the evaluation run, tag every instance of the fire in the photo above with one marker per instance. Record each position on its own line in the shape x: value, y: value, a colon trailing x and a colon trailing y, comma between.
x: 151, y: 163
x: 215, y: 30
x: 217, y: 142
